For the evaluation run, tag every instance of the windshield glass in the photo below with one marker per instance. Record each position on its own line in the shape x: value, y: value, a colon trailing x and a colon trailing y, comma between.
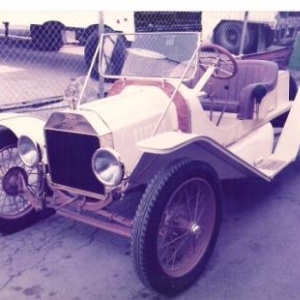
x: 151, y: 55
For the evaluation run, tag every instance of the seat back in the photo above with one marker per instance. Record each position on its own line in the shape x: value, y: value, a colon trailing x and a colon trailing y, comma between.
x: 239, y: 90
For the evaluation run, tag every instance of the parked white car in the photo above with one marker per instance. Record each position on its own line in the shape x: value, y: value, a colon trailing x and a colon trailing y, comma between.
x: 179, y: 118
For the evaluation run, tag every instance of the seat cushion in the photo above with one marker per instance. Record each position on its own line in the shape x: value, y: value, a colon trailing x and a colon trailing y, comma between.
x: 230, y: 106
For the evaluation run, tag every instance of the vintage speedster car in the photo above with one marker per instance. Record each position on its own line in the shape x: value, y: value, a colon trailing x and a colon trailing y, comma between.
x: 179, y: 117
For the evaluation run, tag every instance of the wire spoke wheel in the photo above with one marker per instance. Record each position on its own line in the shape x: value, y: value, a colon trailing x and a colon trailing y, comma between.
x: 186, y: 227
x: 176, y: 226
x: 15, y: 211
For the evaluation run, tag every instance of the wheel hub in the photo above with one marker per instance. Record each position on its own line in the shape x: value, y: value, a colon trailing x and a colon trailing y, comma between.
x: 195, y: 229
x: 11, y: 180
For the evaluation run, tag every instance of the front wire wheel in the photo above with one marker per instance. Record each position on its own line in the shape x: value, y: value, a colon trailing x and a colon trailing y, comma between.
x: 15, y: 211
x: 176, y: 226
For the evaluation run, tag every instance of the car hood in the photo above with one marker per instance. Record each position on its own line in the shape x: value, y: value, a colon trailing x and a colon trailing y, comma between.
x: 134, y: 105
x: 132, y: 116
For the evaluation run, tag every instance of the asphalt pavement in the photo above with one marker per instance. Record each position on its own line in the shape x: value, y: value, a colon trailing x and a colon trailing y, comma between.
x: 257, y: 255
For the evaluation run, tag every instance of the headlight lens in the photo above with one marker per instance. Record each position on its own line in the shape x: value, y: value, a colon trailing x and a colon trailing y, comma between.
x: 29, y: 151
x: 107, y: 166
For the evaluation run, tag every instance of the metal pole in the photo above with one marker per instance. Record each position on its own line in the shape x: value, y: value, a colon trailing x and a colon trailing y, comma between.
x: 101, y: 79
x: 244, y: 32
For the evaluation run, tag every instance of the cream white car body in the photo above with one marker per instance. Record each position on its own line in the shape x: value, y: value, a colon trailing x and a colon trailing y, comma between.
x: 132, y: 116
x: 157, y: 124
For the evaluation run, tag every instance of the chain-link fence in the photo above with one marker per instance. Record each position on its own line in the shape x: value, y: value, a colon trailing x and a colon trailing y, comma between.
x: 41, y: 54
x: 39, y: 57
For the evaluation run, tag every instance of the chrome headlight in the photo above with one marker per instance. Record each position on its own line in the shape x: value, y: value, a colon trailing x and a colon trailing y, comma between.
x: 107, y: 166
x: 28, y: 151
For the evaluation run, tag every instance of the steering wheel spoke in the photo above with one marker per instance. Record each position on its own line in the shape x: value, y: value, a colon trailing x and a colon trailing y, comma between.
x: 218, y: 57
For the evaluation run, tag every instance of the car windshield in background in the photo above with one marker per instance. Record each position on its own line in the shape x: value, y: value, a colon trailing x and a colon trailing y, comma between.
x: 151, y: 55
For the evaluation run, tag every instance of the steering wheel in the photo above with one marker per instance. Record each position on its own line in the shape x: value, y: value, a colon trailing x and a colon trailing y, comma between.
x: 218, y: 57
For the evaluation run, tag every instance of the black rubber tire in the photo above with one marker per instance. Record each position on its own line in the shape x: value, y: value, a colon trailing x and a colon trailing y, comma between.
x: 48, y: 37
x: 118, y: 55
x: 11, y: 224
x: 293, y: 89
x: 229, y: 35
x: 150, y: 214
x: 91, y: 46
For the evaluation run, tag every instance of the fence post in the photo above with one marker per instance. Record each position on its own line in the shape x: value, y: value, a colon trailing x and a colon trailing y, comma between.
x: 101, y: 79
x: 244, y: 32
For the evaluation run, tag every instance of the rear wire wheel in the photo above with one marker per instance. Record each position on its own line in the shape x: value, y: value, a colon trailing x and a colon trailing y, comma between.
x: 16, y: 212
x: 176, y: 226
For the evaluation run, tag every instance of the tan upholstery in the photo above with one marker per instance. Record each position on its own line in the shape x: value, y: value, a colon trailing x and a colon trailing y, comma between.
x: 253, y: 80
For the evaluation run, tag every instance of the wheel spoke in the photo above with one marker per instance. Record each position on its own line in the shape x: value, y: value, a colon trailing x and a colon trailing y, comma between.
x: 3, y: 203
x: 189, y: 207
x: 2, y: 169
x: 199, y: 206
x: 175, y: 252
x: 12, y: 203
x: 10, y: 158
x: 167, y: 244
x: 201, y: 213
x: 15, y: 203
x: 175, y: 226
x: 196, y: 205
x: 193, y: 239
x: 168, y: 250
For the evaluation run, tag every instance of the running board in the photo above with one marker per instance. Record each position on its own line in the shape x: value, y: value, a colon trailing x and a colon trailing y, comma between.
x: 287, y: 148
x: 272, y: 165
